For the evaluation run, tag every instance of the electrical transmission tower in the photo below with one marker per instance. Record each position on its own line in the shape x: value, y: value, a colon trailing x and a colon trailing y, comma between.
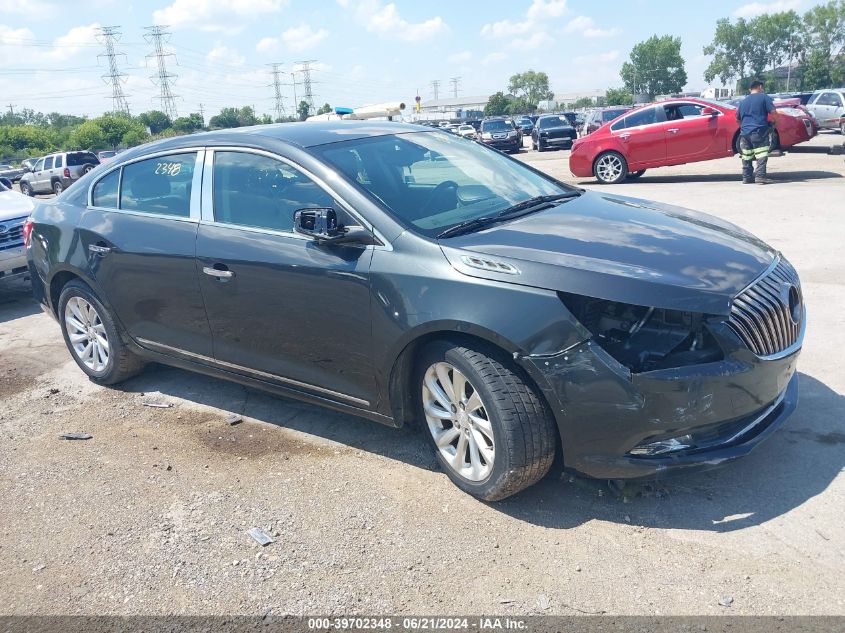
x: 305, y: 69
x: 108, y: 36
x: 435, y: 88
x: 157, y: 35
x: 277, y: 87
x: 455, y: 81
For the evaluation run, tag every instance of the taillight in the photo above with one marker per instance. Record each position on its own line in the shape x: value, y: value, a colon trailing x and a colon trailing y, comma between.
x: 27, y: 232
x: 66, y: 173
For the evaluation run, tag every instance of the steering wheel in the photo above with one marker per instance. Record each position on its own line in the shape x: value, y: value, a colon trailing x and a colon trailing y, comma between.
x: 438, y: 192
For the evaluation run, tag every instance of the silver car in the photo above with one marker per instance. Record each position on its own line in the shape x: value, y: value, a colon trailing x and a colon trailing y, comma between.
x: 14, y: 210
x: 828, y: 106
x: 56, y: 172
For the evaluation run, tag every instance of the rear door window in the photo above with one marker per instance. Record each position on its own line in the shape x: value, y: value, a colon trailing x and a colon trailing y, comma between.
x: 58, y: 162
x: 643, y: 117
x: 159, y: 185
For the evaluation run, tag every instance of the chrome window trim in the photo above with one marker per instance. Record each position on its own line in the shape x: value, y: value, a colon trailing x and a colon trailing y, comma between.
x: 257, y: 372
x: 194, y: 203
x: 207, y: 212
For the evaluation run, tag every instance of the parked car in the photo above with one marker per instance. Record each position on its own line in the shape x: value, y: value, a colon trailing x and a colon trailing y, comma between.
x: 599, y: 116
x: 508, y: 312
x: 501, y: 133
x: 56, y: 172
x: 552, y: 130
x: 28, y: 164
x: 12, y: 173
x: 14, y: 210
x: 828, y: 106
x: 673, y: 132
x: 525, y: 124
x: 106, y: 155
x: 467, y: 131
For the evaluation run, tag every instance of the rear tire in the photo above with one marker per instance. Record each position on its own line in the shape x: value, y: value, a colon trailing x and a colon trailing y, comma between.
x: 58, y: 187
x: 842, y: 128
x: 496, y: 437
x: 88, y: 167
x: 92, y: 337
x: 610, y: 168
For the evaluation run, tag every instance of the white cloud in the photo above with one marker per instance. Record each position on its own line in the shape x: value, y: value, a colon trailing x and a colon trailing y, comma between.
x: 540, y: 10
x: 303, y: 37
x: 504, y: 28
x: 213, y: 15
x: 460, y: 58
x: 385, y: 20
x: 536, y: 17
x: 28, y: 9
x: 754, y: 9
x: 492, y: 58
x: 533, y: 41
x: 586, y: 26
x: 224, y: 55
x: 597, y: 58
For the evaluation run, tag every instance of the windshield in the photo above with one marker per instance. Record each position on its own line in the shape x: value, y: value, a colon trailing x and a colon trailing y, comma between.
x: 431, y: 182
x: 496, y: 126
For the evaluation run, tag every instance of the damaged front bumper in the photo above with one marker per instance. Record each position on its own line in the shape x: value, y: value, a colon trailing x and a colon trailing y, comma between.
x: 616, y: 424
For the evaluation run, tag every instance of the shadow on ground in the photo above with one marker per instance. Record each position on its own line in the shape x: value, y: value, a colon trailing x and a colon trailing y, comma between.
x: 16, y: 299
x: 795, y: 464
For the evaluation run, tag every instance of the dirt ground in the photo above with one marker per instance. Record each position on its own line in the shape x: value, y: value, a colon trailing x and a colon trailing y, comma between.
x: 150, y: 516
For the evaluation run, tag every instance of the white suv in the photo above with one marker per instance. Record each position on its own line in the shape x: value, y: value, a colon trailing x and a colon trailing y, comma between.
x: 828, y: 106
x: 56, y: 172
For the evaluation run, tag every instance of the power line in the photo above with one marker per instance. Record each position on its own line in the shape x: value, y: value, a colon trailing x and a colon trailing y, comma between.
x: 305, y: 69
x: 455, y: 81
x: 277, y: 87
x: 108, y: 35
x: 156, y: 35
x: 435, y: 88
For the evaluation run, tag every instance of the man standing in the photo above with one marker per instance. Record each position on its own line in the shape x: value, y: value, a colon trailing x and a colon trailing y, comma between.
x: 753, y: 116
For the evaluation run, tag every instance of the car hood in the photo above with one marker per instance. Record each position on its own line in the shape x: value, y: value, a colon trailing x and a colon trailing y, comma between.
x: 15, y: 205
x: 620, y: 249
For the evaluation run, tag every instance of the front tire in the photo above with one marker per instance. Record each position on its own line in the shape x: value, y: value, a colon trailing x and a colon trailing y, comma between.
x: 26, y: 189
x: 610, y: 168
x: 490, y: 430
x: 92, y: 337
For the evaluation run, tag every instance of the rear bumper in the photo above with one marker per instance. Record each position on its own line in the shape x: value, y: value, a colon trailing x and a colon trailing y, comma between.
x: 720, y: 411
x: 580, y: 165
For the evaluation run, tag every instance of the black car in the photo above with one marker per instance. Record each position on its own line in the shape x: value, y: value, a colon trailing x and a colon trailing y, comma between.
x: 407, y: 275
x: 525, y: 124
x: 552, y: 130
x: 501, y: 133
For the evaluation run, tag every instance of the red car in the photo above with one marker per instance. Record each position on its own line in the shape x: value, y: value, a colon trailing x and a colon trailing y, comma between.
x: 673, y: 133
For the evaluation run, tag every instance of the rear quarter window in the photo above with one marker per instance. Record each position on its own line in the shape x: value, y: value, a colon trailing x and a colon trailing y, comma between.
x: 74, y: 159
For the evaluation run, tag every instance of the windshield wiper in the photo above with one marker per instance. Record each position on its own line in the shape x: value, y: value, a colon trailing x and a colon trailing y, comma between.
x: 531, y: 205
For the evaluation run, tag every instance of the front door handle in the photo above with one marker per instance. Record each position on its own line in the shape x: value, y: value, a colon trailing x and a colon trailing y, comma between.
x: 220, y: 274
x: 625, y: 135
x: 673, y: 130
x: 99, y: 250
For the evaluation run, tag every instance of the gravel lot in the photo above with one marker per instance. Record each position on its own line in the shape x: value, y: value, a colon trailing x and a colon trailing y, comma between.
x: 151, y: 515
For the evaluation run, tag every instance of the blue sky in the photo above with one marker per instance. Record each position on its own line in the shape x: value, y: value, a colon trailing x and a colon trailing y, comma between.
x: 366, y: 50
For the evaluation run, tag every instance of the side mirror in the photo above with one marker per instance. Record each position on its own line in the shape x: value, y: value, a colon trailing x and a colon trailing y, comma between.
x: 709, y: 112
x: 321, y: 225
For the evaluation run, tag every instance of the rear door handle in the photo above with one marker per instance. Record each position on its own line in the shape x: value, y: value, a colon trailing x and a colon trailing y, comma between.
x: 220, y: 274
x: 99, y: 250
x: 624, y: 135
x: 673, y: 130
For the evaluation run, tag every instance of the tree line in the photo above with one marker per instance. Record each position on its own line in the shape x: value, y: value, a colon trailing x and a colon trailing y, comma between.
x: 28, y: 134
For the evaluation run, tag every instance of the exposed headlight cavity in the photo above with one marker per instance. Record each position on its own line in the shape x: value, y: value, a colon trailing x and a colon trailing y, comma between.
x: 644, y: 338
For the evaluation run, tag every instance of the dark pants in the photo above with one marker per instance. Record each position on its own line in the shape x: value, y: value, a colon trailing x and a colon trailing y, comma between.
x: 754, y: 146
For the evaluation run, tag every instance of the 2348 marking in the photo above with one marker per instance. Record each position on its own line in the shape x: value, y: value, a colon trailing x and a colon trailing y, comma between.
x: 168, y: 169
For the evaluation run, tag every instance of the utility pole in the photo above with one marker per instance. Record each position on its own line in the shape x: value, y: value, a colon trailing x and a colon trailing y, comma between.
x: 202, y: 115
x: 435, y: 88
x: 108, y: 35
x: 306, y: 80
x: 455, y: 81
x: 295, y: 102
x: 11, y: 110
x: 157, y: 35
x: 277, y: 87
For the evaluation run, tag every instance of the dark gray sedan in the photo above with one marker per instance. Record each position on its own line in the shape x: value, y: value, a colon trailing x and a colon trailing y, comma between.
x: 406, y: 275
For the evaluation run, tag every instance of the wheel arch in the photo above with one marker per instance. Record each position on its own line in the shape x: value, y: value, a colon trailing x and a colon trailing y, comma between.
x: 400, y: 388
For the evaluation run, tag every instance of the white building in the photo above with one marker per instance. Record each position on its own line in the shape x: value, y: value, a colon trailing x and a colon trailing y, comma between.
x: 459, y: 109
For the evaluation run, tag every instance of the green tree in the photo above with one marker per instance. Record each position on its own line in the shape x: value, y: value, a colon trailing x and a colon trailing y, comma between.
x: 618, y: 96
x: 117, y: 126
x: 324, y: 109
x: 89, y: 135
x: 824, y: 27
x: 188, y: 124
x: 816, y: 71
x: 303, y: 110
x: 655, y: 67
x: 497, y: 104
x: 532, y: 86
x: 156, y: 120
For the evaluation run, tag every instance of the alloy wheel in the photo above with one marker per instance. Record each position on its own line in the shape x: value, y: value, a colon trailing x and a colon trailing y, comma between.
x: 458, y: 421
x: 609, y: 167
x: 87, y: 334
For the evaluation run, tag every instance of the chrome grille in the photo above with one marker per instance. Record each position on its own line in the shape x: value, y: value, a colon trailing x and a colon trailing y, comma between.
x: 11, y: 233
x: 767, y: 314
